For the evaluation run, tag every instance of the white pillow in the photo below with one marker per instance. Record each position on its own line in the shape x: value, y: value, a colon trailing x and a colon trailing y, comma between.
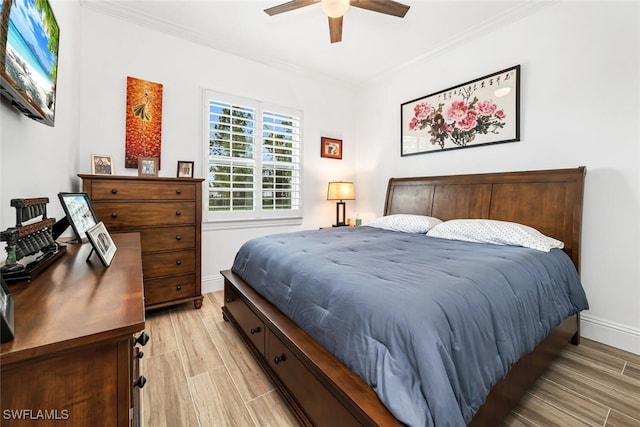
x: 405, y: 223
x: 496, y: 232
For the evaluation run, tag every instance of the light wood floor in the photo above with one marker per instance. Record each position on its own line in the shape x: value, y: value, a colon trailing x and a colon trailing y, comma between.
x: 200, y: 374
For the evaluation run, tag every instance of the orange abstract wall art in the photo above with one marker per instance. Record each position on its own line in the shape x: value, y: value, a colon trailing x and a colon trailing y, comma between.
x: 144, y: 121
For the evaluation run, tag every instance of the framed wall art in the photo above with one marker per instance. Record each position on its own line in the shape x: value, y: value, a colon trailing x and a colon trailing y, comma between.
x: 143, y: 121
x: 101, y: 243
x: 147, y: 166
x: 102, y: 164
x: 479, y: 112
x: 331, y: 148
x: 185, y: 169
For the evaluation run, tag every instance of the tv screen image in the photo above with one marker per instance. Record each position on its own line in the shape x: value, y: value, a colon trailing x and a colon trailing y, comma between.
x: 29, y: 36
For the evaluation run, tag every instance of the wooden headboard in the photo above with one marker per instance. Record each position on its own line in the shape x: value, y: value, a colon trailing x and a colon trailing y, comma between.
x: 547, y: 200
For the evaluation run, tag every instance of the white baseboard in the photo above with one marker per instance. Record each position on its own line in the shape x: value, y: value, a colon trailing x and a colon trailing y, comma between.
x: 610, y: 333
x: 212, y: 283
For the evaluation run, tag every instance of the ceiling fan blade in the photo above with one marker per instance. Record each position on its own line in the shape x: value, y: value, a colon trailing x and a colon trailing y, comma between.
x: 388, y: 7
x: 335, y: 29
x: 288, y: 6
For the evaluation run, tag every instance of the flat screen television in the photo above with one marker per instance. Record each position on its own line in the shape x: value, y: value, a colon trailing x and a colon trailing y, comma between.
x: 29, y: 36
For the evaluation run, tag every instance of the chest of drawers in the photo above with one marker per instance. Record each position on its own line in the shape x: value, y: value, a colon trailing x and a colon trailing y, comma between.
x: 167, y: 212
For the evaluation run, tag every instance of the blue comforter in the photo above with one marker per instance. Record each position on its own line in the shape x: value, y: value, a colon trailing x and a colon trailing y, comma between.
x: 431, y: 324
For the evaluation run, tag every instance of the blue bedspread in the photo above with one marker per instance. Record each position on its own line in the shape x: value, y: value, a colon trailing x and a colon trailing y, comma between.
x: 430, y: 324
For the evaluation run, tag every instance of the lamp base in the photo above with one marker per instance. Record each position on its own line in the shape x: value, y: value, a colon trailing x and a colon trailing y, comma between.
x: 340, y: 214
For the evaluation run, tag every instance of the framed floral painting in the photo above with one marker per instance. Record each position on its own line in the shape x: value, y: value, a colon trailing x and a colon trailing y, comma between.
x: 480, y: 112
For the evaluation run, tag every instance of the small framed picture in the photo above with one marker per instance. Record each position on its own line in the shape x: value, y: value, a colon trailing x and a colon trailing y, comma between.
x: 80, y: 213
x: 331, y: 148
x: 148, y: 166
x: 101, y: 164
x: 6, y: 312
x: 185, y: 169
x: 102, y: 243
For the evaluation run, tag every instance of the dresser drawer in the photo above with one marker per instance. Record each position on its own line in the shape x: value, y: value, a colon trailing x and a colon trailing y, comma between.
x: 169, y: 288
x: 246, y: 318
x: 132, y: 190
x: 168, y: 238
x: 118, y: 215
x: 168, y: 263
x: 321, y: 406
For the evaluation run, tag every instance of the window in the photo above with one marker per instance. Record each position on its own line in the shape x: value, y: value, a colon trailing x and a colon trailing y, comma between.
x: 254, y: 159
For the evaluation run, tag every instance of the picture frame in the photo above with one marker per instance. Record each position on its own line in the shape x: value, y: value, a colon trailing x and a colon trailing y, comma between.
x: 80, y: 214
x: 6, y: 312
x: 102, y: 164
x: 185, y: 169
x: 331, y: 148
x: 101, y: 243
x: 479, y: 112
x: 147, y: 166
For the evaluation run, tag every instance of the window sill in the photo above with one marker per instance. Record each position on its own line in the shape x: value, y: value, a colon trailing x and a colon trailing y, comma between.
x: 230, y: 224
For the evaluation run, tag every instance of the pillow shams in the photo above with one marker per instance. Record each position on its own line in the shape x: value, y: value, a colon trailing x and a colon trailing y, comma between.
x: 496, y: 232
x: 405, y: 223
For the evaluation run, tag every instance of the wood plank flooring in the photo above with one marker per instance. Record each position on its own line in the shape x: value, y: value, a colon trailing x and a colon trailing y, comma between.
x: 200, y: 374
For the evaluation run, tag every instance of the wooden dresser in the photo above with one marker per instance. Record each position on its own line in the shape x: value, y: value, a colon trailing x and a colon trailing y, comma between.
x: 168, y: 214
x: 74, y: 358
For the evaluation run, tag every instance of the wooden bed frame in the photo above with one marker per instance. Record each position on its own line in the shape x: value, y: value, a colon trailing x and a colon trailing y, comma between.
x: 321, y: 390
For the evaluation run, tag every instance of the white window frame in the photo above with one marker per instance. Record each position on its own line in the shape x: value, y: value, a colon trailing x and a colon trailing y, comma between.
x: 256, y: 217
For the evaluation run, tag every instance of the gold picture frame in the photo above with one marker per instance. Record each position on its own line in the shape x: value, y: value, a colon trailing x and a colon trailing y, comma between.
x: 147, y: 166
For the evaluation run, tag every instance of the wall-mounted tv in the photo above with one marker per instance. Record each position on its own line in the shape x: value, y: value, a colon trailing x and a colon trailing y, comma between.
x: 29, y: 36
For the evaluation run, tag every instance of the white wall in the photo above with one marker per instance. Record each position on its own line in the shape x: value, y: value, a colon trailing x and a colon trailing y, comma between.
x: 112, y: 49
x: 579, y: 106
x: 37, y: 160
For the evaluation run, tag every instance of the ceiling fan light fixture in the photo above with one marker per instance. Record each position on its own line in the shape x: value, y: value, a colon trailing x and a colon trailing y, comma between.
x: 334, y: 8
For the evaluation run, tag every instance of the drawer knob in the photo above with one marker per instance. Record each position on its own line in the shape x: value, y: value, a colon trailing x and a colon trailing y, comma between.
x: 255, y: 330
x: 178, y: 213
x: 178, y: 262
x: 114, y: 215
x: 279, y: 359
x: 178, y: 191
x: 114, y: 191
x: 179, y: 287
x: 141, y: 339
x: 229, y: 299
x: 178, y: 237
x: 140, y: 355
x: 140, y: 382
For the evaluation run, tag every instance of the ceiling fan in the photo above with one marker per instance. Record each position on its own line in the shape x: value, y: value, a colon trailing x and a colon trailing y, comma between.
x: 336, y: 9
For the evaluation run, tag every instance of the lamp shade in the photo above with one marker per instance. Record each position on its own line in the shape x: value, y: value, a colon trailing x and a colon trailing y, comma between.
x: 334, y: 8
x: 339, y: 190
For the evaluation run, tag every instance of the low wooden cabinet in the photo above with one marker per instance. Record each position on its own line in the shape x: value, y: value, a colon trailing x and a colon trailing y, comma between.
x: 74, y: 358
x: 167, y: 212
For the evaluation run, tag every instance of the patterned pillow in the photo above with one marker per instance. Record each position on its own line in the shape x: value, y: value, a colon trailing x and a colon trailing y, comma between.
x: 496, y: 232
x: 405, y: 223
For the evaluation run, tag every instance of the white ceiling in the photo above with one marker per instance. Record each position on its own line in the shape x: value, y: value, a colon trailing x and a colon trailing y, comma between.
x: 372, y: 43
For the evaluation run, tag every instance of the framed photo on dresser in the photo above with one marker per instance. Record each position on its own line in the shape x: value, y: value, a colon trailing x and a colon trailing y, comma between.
x: 80, y: 213
x: 6, y: 312
x: 102, y: 243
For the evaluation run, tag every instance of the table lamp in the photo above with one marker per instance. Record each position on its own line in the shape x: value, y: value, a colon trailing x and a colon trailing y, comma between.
x: 339, y: 190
